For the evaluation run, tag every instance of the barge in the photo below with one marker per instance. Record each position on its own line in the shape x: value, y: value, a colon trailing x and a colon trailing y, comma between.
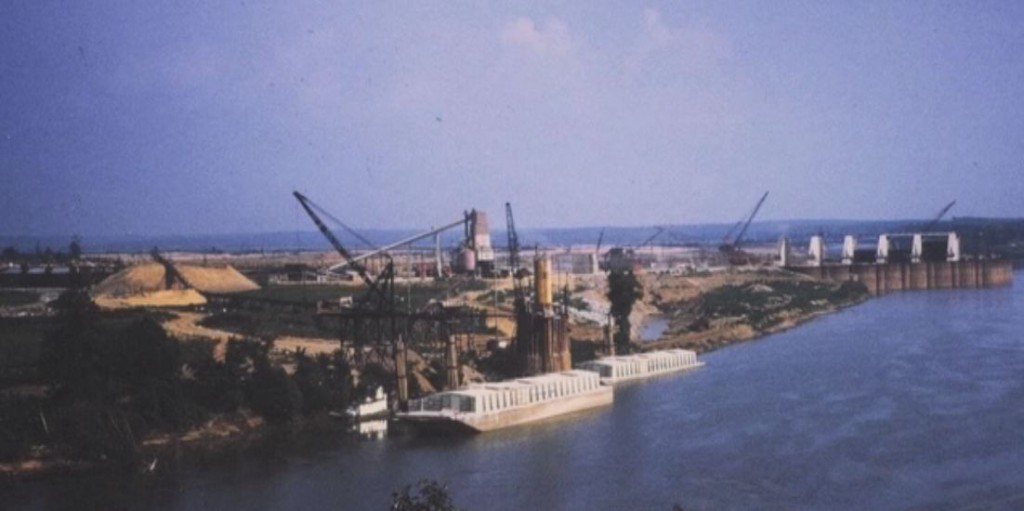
x: 624, y: 368
x: 489, y: 406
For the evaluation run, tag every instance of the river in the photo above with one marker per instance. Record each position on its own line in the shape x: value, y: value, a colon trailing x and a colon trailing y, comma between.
x: 909, y: 400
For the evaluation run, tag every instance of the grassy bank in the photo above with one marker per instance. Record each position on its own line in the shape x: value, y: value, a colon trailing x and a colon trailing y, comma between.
x: 749, y: 307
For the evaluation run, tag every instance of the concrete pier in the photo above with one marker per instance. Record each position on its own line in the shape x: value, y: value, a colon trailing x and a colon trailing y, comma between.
x: 881, y: 278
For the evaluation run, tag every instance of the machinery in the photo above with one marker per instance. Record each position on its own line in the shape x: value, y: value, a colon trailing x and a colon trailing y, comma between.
x: 172, y: 276
x: 731, y: 246
x: 475, y: 254
x: 379, y: 299
x: 542, y: 340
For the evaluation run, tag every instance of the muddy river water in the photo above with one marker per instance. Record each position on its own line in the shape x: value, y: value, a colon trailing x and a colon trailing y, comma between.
x: 913, y: 400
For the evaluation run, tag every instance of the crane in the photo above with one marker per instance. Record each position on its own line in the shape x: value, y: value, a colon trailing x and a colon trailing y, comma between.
x: 513, y: 255
x: 657, y: 232
x: 935, y: 221
x: 406, y: 241
x: 382, y: 294
x: 600, y: 238
x: 733, y: 245
x: 171, y: 273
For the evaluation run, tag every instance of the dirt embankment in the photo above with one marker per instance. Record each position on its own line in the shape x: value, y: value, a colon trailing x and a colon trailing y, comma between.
x: 710, y: 311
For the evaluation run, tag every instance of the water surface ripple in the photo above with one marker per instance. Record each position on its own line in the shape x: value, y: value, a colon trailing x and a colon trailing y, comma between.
x: 913, y: 400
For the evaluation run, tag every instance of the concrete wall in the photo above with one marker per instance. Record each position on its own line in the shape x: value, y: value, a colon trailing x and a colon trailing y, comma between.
x: 884, y: 278
x: 542, y: 343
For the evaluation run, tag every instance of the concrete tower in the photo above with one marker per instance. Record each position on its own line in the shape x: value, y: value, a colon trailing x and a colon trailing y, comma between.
x: 849, y: 249
x: 817, y: 250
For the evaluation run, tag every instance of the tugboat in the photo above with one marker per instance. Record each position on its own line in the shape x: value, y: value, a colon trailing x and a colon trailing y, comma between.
x: 371, y: 408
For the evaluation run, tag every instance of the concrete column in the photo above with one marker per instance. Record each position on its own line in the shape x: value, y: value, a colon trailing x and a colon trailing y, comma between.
x: 882, y: 256
x: 849, y: 249
x: 817, y: 250
x: 784, y: 252
x: 917, y: 248
x: 402, y: 379
x: 451, y: 362
x: 953, y: 248
x: 437, y: 255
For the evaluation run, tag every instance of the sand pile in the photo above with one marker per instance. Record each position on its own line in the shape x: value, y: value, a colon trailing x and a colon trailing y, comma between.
x: 144, y: 285
x: 217, y: 280
x: 164, y: 298
x: 133, y: 280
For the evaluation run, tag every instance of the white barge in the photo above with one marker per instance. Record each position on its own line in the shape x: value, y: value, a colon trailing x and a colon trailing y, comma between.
x: 619, y: 369
x: 489, y: 406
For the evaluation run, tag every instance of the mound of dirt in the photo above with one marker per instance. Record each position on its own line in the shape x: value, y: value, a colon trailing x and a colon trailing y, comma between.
x: 162, y: 298
x: 151, y: 277
x: 134, y: 280
x: 218, y: 280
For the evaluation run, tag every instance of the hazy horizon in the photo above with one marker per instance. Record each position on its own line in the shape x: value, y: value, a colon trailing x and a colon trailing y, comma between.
x: 188, y: 118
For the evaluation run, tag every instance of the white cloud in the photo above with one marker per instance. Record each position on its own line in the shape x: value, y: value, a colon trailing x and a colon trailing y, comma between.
x: 552, y: 38
x: 693, y: 46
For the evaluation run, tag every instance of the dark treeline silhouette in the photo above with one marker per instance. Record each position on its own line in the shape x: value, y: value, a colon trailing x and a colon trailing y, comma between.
x: 110, y: 384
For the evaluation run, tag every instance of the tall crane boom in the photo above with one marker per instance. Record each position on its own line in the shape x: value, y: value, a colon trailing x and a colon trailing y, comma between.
x: 407, y: 241
x: 513, y: 241
x: 657, y: 232
x: 935, y: 221
x: 309, y: 206
x: 750, y: 219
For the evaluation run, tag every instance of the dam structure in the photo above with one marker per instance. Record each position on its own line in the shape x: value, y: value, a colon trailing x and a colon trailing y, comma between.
x: 902, y: 262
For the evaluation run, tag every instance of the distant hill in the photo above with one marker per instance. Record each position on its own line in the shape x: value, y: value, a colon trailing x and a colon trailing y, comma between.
x: 1005, y: 231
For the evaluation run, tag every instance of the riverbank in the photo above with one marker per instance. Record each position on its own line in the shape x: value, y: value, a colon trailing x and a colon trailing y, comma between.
x: 712, y: 311
x: 222, y: 433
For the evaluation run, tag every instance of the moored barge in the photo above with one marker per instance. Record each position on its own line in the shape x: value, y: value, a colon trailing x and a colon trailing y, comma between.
x: 490, y: 406
x: 624, y: 368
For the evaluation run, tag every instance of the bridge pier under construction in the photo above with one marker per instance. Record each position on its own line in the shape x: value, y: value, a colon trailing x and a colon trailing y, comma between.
x: 927, y: 261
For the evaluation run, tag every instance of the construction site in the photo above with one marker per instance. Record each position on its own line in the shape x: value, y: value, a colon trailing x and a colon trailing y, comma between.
x: 415, y: 317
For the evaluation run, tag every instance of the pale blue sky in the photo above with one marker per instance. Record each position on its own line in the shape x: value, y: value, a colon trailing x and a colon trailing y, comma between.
x: 202, y: 117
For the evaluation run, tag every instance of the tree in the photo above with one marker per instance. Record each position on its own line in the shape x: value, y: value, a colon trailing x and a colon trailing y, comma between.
x: 430, y: 496
x: 71, y: 354
x: 75, y: 248
x: 624, y: 289
x: 143, y: 367
x: 10, y: 254
x: 273, y: 394
x: 311, y: 378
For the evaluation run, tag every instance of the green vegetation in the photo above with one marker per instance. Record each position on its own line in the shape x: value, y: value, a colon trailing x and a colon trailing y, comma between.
x: 761, y: 304
x: 430, y: 495
x: 624, y: 289
x: 111, y: 383
x: 563, y: 295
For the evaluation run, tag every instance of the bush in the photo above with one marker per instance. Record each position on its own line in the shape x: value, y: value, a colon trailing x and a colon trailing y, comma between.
x: 274, y: 395
x: 430, y: 496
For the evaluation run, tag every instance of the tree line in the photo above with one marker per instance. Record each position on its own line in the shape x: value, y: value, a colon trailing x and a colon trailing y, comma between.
x: 108, y: 387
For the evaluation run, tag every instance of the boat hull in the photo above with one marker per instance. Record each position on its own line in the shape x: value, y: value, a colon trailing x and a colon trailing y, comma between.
x: 463, y: 423
x: 649, y: 374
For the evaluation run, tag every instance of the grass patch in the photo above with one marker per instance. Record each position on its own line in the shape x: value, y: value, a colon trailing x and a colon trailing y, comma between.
x: 761, y: 304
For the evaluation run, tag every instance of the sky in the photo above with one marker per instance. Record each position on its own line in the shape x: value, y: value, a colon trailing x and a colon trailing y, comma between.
x: 201, y: 117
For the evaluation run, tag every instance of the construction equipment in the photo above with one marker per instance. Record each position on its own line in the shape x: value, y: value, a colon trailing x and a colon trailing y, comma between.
x: 379, y: 296
x: 935, y: 221
x: 406, y: 241
x: 624, y: 258
x: 513, y: 258
x: 171, y: 273
x: 658, y: 231
x: 731, y: 246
